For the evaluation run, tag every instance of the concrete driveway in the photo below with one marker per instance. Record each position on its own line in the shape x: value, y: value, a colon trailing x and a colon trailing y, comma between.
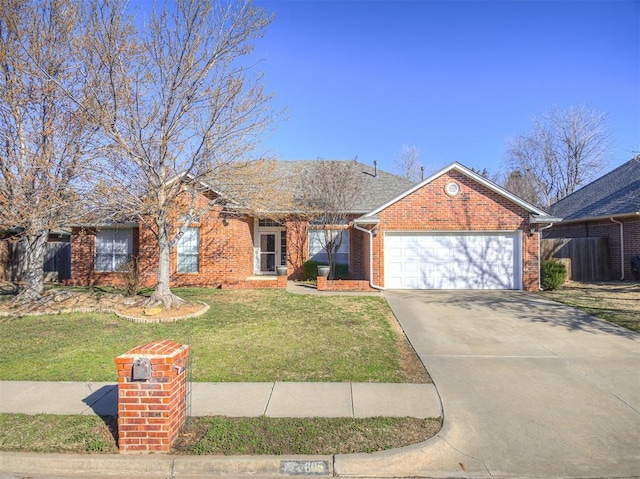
x: 529, y: 388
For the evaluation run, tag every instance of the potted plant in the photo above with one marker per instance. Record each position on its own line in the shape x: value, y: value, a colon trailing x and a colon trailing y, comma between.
x: 281, y: 270
x: 323, y: 271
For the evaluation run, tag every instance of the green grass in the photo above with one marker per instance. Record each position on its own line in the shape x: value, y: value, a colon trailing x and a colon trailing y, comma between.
x: 45, y: 433
x: 617, y: 303
x: 256, y: 436
x: 250, y: 335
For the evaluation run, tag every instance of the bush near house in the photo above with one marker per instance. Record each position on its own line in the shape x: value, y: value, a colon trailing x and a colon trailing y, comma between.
x: 310, y: 268
x: 552, y: 275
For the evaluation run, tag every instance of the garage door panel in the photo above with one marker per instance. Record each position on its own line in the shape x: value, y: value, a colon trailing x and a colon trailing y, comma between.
x: 452, y: 261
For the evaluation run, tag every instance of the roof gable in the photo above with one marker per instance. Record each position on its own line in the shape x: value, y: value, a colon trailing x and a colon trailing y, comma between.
x: 614, y: 194
x: 467, y: 172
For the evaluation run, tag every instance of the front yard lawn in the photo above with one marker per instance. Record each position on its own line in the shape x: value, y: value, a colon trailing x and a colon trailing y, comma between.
x: 45, y: 433
x: 617, y: 302
x: 247, y: 335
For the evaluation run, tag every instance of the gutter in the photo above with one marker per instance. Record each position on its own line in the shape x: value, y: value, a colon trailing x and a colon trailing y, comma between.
x: 540, y: 252
x: 370, y: 233
x: 535, y: 220
x: 631, y: 214
x: 621, y: 246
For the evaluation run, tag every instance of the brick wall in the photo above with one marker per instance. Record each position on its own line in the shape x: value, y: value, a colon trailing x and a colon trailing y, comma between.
x: 474, y: 208
x: 325, y: 284
x: 297, y: 247
x: 606, y: 228
x: 151, y: 413
x: 226, y: 255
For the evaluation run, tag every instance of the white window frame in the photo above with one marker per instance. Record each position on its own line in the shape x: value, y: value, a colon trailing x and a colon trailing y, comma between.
x: 189, y: 248
x: 115, y: 246
x: 318, y: 254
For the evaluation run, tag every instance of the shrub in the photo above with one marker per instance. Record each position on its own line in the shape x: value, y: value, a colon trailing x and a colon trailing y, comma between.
x: 341, y: 271
x: 310, y: 268
x: 130, y: 277
x: 552, y: 274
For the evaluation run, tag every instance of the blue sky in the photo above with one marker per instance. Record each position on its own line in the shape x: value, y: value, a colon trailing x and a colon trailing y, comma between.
x: 454, y: 78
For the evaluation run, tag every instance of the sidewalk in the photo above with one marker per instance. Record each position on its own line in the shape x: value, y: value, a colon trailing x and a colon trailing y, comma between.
x: 278, y: 399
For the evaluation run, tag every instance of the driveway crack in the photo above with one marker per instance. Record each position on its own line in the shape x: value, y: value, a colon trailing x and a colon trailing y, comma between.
x: 467, y: 455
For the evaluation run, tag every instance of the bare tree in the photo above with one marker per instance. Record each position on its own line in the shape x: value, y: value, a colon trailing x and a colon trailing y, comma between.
x: 566, y: 149
x: 179, y: 109
x: 521, y: 186
x: 44, y: 161
x: 330, y: 191
x: 407, y: 163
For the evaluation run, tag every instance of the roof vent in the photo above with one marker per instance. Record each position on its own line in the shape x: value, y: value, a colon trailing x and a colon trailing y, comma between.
x: 375, y: 168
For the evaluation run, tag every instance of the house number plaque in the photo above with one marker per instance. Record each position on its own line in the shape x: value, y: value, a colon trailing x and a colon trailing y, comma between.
x: 308, y: 468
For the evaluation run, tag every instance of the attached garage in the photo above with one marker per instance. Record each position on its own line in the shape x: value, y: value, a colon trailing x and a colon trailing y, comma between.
x: 454, y: 230
x: 453, y: 260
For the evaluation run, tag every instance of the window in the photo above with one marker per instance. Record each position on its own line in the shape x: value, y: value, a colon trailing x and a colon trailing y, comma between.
x: 188, y: 247
x: 113, y: 249
x: 269, y: 223
x: 283, y: 248
x: 317, y: 252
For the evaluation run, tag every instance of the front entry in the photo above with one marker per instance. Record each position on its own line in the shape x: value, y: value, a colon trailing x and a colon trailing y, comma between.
x: 270, y: 246
x: 268, y: 252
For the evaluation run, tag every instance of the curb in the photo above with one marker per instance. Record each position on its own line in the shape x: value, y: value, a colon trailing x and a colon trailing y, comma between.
x: 165, y: 466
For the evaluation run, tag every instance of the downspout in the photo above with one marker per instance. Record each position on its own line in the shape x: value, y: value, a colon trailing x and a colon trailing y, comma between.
x: 540, y: 253
x: 621, y: 247
x: 370, y: 233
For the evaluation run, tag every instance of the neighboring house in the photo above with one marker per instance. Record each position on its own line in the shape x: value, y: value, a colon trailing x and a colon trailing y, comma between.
x: 608, y: 207
x: 454, y: 230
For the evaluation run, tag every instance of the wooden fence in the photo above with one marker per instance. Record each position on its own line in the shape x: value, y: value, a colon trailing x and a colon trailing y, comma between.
x: 57, y: 261
x: 586, y: 259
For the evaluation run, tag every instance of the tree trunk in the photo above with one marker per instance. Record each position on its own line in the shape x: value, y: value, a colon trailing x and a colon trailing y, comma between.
x: 35, y: 247
x: 162, y: 294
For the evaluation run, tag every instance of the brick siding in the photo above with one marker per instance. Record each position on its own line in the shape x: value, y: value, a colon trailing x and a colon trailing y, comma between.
x: 325, y: 284
x: 474, y: 208
x: 226, y: 245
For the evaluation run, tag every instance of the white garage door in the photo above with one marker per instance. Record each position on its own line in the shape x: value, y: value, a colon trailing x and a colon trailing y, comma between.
x: 452, y: 260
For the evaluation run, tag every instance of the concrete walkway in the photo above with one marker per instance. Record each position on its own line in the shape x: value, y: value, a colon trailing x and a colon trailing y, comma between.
x: 279, y: 399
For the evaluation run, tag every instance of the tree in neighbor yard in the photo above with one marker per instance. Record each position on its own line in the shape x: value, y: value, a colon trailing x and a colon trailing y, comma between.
x: 178, y: 108
x: 45, y: 156
x: 329, y: 194
x: 407, y: 163
x: 566, y: 149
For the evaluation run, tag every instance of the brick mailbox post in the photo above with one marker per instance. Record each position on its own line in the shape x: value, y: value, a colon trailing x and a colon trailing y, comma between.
x: 152, y: 392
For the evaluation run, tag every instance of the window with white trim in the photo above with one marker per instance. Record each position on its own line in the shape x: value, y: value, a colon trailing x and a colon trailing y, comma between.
x: 188, y: 251
x: 113, y: 249
x: 318, y: 253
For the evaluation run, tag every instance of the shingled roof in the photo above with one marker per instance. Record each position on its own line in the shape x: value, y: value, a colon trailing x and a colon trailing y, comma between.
x: 377, y: 186
x: 615, y: 194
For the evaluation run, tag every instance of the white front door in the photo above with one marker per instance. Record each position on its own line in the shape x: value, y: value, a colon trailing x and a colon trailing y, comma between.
x: 269, y: 252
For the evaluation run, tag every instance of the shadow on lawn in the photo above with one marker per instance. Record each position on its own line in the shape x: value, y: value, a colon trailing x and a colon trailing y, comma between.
x: 104, y: 403
x: 8, y: 289
x: 524, y: 306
